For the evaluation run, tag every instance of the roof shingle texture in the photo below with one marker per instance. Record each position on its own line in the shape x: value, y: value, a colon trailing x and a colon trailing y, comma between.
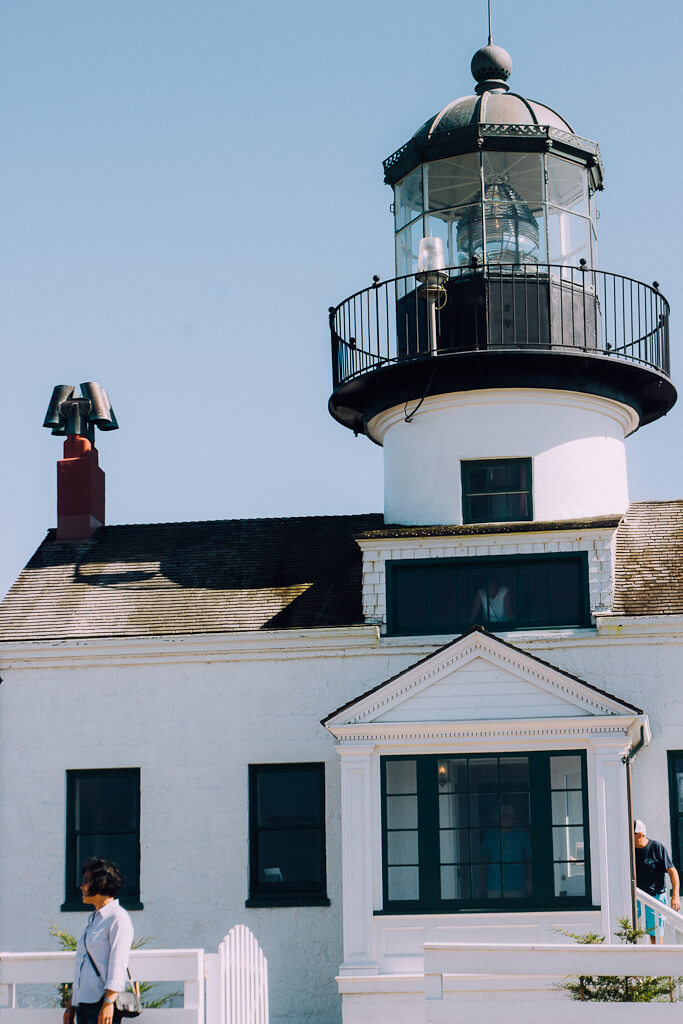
x: 649, y: 560
x: 175, y: 578
x: 249, y: 574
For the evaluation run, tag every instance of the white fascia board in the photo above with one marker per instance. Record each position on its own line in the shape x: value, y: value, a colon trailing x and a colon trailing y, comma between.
x: 441, y: 540
x: 610, y: 730
x: 255, y: 645
x: 640, y: 627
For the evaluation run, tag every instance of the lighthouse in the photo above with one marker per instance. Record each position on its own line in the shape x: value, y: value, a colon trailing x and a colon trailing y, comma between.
x: 501, y: 369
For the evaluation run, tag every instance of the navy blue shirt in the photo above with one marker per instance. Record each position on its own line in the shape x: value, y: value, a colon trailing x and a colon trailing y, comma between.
x: 652, y: 863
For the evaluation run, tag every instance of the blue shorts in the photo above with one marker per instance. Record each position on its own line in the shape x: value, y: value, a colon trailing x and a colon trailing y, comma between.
x: 652, y: 926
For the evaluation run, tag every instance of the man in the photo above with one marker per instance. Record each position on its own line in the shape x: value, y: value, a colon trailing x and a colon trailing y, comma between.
x: 652, y: 863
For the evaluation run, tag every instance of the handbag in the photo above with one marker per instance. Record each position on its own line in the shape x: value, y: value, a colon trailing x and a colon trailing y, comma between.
x: 127, y: 1003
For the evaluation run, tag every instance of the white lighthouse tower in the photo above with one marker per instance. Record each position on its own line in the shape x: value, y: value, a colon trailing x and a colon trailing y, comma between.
x: 501, y: 370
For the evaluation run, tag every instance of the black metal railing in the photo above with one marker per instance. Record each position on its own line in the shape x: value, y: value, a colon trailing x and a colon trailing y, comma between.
x: 503, y: 306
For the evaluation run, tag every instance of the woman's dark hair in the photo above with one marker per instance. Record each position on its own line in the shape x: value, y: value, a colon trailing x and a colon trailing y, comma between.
x: 104, y: 877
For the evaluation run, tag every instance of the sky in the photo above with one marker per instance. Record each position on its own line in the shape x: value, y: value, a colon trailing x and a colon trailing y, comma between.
x: 187, y: 185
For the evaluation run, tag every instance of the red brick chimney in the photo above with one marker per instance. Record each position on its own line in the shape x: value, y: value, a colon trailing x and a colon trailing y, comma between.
x: 80, y: 490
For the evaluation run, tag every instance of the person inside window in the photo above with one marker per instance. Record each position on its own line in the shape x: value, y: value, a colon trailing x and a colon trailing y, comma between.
x: 102, y: 952
x: 492, y: 603
x: 508, y: 851
x: 652, y: 864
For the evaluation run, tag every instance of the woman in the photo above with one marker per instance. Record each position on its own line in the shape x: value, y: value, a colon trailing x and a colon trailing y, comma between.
x: 103, y: 949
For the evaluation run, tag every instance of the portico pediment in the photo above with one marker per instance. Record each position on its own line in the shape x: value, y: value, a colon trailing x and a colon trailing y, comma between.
x: 479, y: 678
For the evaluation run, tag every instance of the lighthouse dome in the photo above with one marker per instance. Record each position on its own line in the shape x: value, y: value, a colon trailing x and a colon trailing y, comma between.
x: 492, y: 102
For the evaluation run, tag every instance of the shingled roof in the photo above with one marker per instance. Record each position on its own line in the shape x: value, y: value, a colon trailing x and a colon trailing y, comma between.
x: 249, y: 574
x: 649, y: 560
x: 175, y: 578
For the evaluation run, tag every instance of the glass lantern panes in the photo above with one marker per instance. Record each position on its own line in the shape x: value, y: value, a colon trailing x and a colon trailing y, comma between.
x: 500, y: 207
x: 568, y: 832
x: 408, y: 198
x: 569, y: 238
x: 513, y: 207
x: 567, y: 185
x: 407, y: 247
x: 453, y: 182
x: 460, y: 231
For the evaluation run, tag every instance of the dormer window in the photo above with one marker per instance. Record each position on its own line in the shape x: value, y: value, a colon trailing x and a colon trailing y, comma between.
x: 448, y: 595
x: 496, y: 490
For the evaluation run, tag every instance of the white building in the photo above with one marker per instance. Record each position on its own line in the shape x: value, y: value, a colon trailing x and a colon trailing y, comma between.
x: 358, y: 734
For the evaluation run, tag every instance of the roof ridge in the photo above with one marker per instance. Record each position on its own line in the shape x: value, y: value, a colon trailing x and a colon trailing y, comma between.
x: 211, y: 522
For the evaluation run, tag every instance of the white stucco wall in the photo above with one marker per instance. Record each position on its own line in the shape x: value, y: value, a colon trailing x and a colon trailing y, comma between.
x: 576, y: 443
x: 192, y: 716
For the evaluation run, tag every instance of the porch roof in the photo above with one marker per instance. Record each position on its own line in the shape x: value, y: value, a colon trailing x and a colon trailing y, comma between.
x: 426, y: 670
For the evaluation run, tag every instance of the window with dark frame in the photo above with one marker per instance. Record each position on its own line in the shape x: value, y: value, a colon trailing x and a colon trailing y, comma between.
x: 449, y: 595
x: 675, y: 758
x: 287, y: 835
x: 103, y: 820
x: 496, y: 490
x: 485, y: 831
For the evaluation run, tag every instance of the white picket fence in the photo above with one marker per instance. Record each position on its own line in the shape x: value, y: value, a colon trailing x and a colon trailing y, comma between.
x: 227, y: 987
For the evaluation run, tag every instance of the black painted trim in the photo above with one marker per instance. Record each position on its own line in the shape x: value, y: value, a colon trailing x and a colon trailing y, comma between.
x: 285, y: 897
x: 674, y: 814
x: 72, y: 901
x: 467, y: 464
x: 644, y: 389
x: 428, y: 839
x: 291, y: 901
x: 393, y: 567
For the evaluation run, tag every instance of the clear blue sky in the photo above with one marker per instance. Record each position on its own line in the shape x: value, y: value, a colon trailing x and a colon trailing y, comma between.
x: 187, y: 185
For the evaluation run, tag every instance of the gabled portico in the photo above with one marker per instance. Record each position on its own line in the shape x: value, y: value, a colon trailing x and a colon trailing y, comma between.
x: 481, y: 710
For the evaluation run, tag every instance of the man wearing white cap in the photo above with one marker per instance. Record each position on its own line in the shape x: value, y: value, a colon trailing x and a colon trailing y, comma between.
x: 652, y: 863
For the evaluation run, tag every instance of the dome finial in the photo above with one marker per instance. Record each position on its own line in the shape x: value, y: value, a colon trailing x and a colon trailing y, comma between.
x: 491, y: 67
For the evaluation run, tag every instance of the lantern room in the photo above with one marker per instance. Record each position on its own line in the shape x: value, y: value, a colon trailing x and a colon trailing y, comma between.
x: 500, y: 179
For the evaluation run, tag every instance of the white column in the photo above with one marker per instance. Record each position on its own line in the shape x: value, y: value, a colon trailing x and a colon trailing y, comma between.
x: 357, y: 835
x: 612, y: 824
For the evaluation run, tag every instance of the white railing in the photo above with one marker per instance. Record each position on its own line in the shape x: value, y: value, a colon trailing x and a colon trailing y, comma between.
x: 158, y: 965
x: 519, y: 983
x: 671, y: 919
x: 227, y: 987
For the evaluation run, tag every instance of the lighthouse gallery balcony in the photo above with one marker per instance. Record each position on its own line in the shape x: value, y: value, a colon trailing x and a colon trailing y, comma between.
x: 500, y: 325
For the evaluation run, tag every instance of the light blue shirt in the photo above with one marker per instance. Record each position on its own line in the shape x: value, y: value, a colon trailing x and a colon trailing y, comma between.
x: 109, y: 934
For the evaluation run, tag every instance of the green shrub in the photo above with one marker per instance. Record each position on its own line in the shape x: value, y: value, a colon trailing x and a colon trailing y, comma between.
x: 607, y: 989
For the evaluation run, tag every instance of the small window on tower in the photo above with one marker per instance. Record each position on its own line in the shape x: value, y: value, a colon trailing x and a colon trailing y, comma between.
x: 496, y: 491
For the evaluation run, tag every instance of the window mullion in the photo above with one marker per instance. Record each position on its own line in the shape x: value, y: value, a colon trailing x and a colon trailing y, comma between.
x: 541, y: 830
x: 428, y: 830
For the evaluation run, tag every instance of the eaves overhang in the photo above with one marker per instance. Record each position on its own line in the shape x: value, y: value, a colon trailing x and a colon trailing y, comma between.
x: 622, y: 730
x: 509, y: 137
